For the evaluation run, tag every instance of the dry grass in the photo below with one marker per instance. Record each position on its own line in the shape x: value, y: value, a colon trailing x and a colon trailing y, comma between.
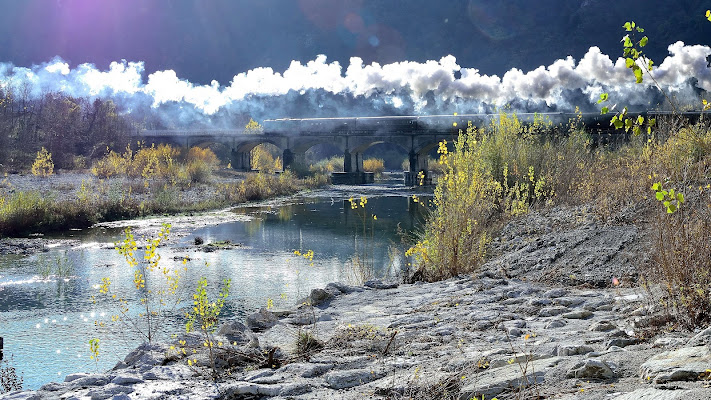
x: 486, y: 182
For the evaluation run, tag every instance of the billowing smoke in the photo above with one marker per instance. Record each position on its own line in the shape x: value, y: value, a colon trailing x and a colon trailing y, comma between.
x: 322, y: 89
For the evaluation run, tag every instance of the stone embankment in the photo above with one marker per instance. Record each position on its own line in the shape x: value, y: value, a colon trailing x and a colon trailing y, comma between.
x: 541, y: 320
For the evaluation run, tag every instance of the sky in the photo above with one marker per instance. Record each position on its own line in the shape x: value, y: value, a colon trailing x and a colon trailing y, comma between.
x: 210, y: 54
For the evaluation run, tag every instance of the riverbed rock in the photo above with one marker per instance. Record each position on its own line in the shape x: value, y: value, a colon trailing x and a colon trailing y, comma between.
x: 592, y: 370
x: 602, y: 326
x: 237, y: 333
x: 666, y: 394
x: 702, y: 338
x: 351, y: 378
x: 146, y: 355
x: 378, y: 284
x: 685, y: 364
x: 491, y: 383
x: 261, y: 320
x: 577, y: 314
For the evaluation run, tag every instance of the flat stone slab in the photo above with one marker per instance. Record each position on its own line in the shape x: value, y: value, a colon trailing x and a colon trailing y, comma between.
x: 666, y: 394
x: 685, y: 364
x: 493, y: 382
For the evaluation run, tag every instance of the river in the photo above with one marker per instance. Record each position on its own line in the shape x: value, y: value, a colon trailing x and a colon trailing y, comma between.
x: 48, y: 320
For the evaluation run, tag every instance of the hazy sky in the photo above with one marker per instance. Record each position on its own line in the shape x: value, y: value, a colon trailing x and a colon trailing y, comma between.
x: 204, y: 40
x: 212, y: 60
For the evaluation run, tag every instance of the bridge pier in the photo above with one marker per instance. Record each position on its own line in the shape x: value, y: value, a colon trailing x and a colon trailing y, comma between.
x: 419, y: 170
x: 241, y: 160
x: 352, y: 162
x: 289, y: 159
x: 353, y: 173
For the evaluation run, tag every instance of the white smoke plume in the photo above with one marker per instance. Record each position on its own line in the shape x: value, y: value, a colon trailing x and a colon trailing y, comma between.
x: 320, y: 88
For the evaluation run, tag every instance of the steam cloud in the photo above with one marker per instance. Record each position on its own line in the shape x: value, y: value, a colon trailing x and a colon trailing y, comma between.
x: 319, y: 88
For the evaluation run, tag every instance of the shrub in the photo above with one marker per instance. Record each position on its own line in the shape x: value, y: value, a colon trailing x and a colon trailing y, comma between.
x: 113, y: 164
x: 493, y: 172
x: 155, y: 286
x: 264, y: 160
x: 198, y: 171
x: 204, y: 316
x: 307, y: 343
x: 681, y: 259
x: 374, y: 165
x: 333, y: 164
x: 23, y: 210
x: 43, y: 165
x: 206, y: 156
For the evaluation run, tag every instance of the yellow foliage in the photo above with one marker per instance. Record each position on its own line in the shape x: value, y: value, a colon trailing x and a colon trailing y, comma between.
x: 491, y: 173
x: 158, y: 163
x: 203, y: 155
x: 263, y: 160
x: 333, y: 164
x: 43, y: 165
x: 253, y: 127
x: 375, y: 165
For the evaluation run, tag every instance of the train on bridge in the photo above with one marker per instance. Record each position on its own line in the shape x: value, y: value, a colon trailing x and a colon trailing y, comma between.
x: 417, y: 135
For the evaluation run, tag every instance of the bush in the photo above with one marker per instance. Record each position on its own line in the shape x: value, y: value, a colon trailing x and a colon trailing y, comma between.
x: 198, y: 171
x: 43, y: 165
x: 264, y: 160
x: 333, y: 164
x: 206, y: 156
x: 113, y: 164
x: 681, y: 259
x: 159, y: 163
x: 492, y: 173
x: 374, y: 165
x: 23, y: 210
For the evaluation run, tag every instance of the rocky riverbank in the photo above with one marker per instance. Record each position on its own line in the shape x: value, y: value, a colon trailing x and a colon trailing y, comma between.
x: 541, y: 320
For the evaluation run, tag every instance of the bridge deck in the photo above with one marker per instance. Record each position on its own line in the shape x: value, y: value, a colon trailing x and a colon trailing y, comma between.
x: 412, y: 124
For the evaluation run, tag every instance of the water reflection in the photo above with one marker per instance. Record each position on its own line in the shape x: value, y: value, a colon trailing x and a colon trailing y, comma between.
x: 47, y: 322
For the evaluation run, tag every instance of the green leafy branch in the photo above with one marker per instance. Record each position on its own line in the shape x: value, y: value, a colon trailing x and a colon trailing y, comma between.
x: 94, y: 349
x: 639, y: 63
x: 670, y: 199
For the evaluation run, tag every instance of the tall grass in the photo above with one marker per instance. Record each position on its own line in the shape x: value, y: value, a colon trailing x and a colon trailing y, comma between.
x: 681, y: 252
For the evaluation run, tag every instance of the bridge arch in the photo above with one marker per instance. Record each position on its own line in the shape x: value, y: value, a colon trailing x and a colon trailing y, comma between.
x: 241, y: 157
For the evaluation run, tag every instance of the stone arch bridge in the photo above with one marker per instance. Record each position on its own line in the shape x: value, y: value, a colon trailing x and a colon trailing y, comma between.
x: 417, y: 135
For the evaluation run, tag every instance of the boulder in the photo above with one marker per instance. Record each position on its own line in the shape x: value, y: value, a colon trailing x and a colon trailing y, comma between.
x: 574, y: 350
x: 261, y: 320
x: 602, y: 326
x: 597, y: 370
x: 700, y: 339
x: 378, y: 284
x: 578, y: 314
x: 237, y: 332
x: 146, y: 355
